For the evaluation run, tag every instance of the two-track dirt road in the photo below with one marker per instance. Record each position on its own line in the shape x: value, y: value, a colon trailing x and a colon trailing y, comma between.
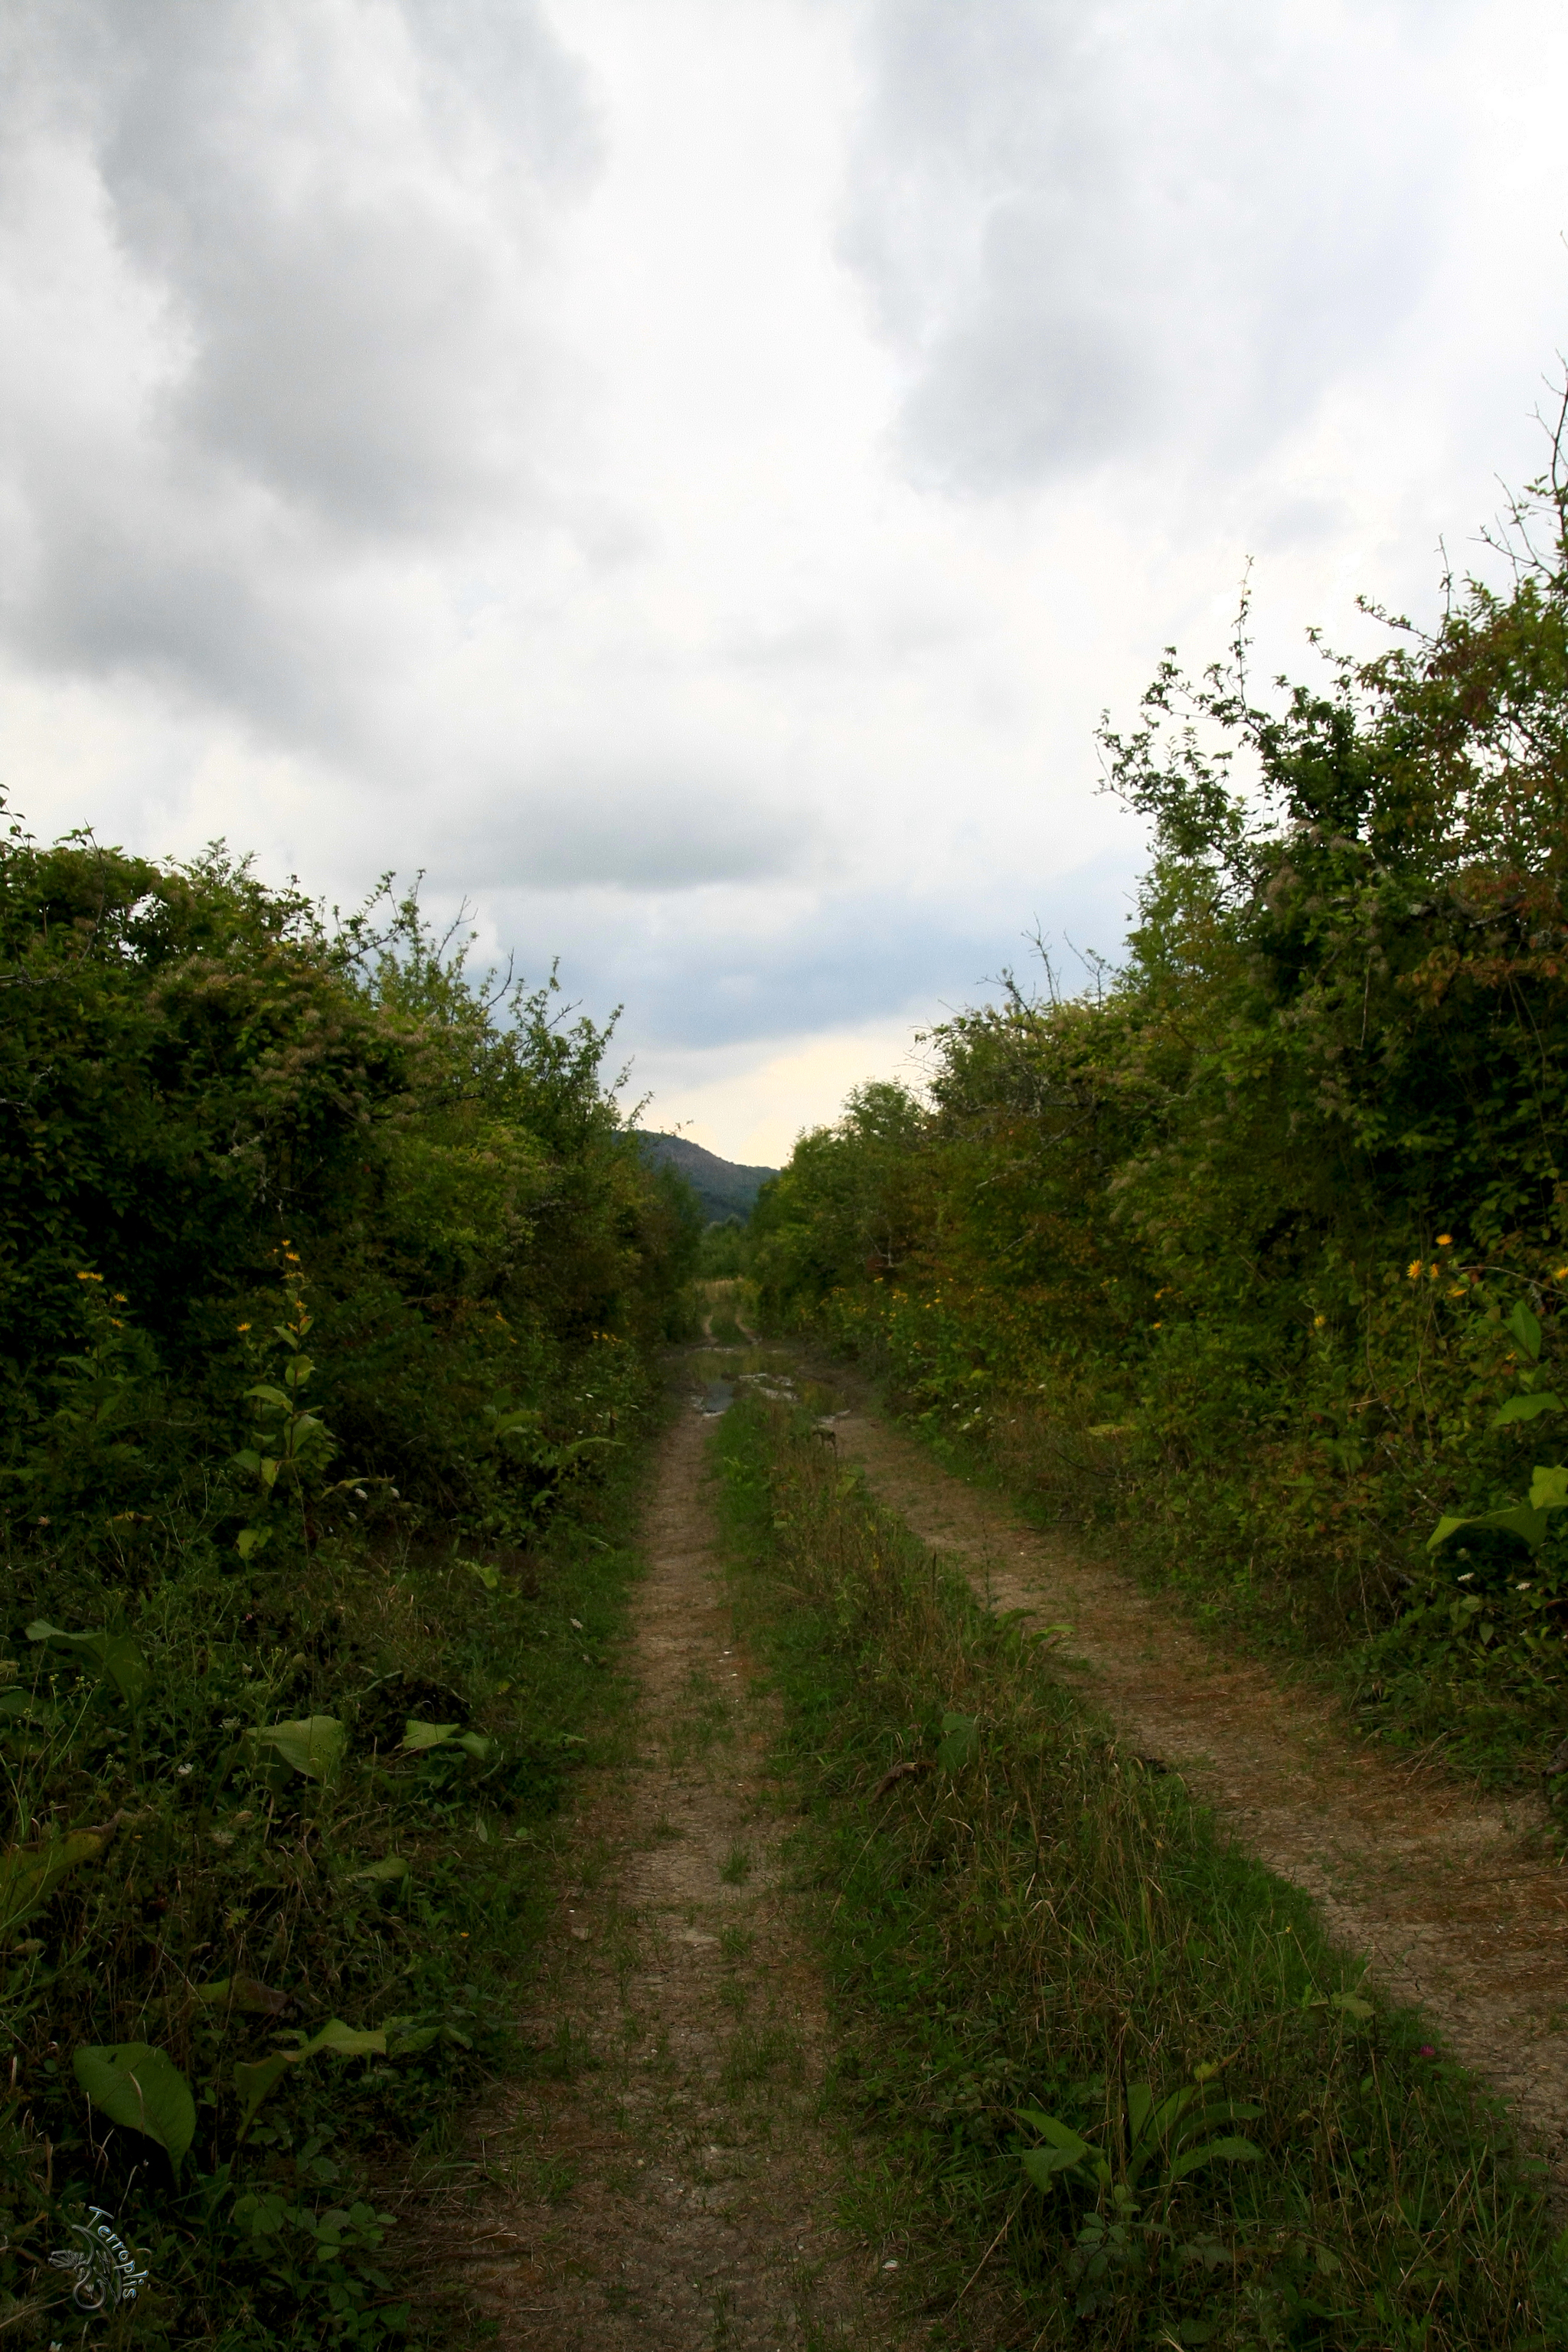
x: 670, y: 2184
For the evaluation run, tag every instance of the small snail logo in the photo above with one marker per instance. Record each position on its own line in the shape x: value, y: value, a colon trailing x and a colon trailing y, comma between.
x: 101, y: 2263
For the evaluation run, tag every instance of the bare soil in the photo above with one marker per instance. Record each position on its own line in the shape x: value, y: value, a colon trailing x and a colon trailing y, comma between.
x: 1451, y: 1895
x: 675, y: 2186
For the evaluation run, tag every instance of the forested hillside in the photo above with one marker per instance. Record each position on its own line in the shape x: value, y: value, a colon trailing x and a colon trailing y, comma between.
x: 1256, y: 1253
x: 327, y: 1283
x: 725, y: 1188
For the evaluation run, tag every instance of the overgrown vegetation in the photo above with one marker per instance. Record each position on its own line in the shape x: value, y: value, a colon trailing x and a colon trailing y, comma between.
x: 1258, y: 1251
x: 326, y: 1282
x: 1129, y: 2094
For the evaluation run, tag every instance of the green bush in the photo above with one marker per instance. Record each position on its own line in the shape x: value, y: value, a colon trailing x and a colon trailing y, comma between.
x: 328, y: 1281
x: 1224, y: 1252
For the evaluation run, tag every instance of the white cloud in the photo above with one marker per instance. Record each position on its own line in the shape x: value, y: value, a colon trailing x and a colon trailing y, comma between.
x: 752, y: 1108
x: 691, y: 476
x: 1128, y: 229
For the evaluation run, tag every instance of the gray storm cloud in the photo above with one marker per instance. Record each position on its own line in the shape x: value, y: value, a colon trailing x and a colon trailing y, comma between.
x: 1098, y: 232
x: 267, y: 261
x: 687, y: 476
x: 649, y: 832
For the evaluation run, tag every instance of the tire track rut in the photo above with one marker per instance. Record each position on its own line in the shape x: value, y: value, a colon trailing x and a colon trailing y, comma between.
x: 1449, y: 1894
x: 675, y: 2188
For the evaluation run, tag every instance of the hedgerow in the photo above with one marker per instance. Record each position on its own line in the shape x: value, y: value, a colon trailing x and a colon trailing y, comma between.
x: 328, y: 1281
x: 1257, y: 1251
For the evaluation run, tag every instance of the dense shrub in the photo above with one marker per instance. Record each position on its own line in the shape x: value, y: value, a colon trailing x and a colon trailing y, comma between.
x: 328, y: 1279
x: 1245, y: 1249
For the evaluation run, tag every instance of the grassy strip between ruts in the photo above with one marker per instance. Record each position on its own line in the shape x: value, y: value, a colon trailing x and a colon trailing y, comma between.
x: 252, y: 1892
x: 1018, y: 1916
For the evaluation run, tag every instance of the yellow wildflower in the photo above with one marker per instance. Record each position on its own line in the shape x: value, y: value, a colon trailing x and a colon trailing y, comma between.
x: 1444, y: 1241
x: 1413, y: 1271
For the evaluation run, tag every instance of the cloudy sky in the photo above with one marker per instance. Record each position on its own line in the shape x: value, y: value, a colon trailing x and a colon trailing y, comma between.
x: 689, y: 475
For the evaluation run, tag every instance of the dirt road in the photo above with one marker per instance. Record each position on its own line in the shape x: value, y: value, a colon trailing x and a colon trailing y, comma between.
x: 668, y: 2182
x: 674, y: 2188
x: 1449, y: 1895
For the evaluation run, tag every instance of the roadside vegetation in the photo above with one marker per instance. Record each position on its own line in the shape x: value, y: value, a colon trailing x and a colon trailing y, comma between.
x: 1254, y: 1254
x: 1110, y: 2082
x: 329, y: 1281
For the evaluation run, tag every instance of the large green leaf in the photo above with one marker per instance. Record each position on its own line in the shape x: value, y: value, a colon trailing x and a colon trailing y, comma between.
x: 1526, y: 1408
x: 253, y: 2079
x: 1548, y: 1492
x: 30, y: 1874
x: 1517, y: 1519
x: 1048, y: 2127
x: 418, y: 1736
x: 141, y: 2089
x: 1522, y: 1325
x: 1065, y: 2148
x: 315, y: 1744
x: 1063, y: 2151
x: 114, y: 1654
x: 960, y: 1740
x: 23, y: 1706
x: 1217, y: 2151
x: 408, y: 2041
x: 242, y: 1992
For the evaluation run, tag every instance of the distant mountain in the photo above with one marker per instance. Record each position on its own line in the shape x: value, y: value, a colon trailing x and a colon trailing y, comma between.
x: 724, y: 1188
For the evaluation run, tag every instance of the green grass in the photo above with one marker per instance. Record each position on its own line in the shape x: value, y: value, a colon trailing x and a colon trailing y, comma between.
x: 225, y: 1866
x: 1027, y: 1918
